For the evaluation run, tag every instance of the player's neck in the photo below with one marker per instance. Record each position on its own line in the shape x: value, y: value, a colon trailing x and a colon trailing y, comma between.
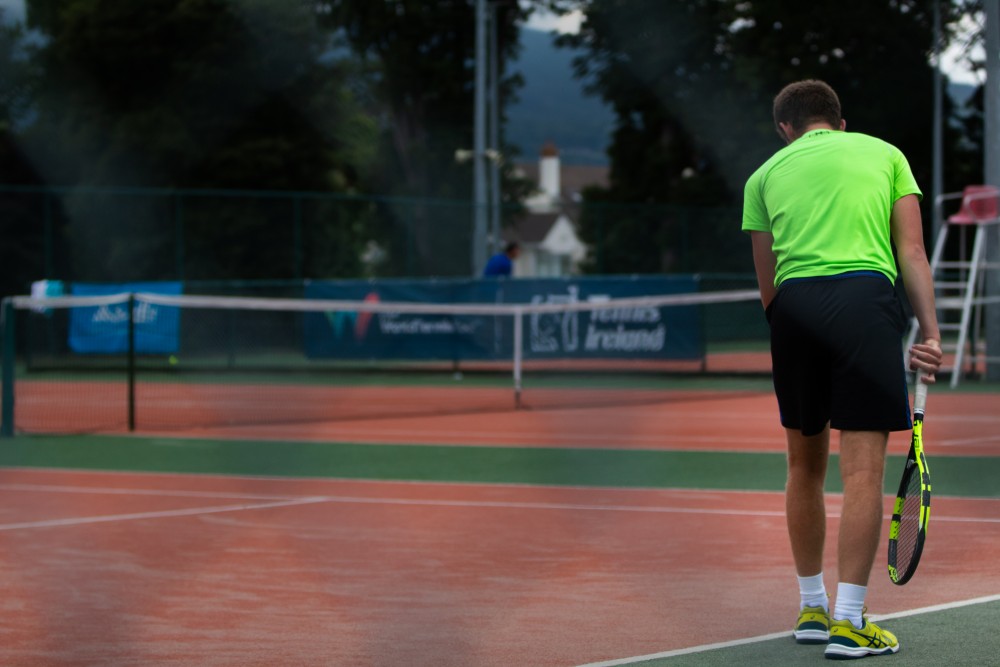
x: 818, y: 125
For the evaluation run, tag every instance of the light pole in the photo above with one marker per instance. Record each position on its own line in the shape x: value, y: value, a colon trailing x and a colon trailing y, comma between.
x: 494, y: 125
x: 479, y: 203
x: 937, y: 175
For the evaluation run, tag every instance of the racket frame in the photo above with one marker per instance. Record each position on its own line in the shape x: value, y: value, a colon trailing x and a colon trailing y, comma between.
x: 916, y: 464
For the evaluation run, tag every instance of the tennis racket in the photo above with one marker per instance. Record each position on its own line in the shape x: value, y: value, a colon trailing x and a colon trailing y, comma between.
x: 913, y: 501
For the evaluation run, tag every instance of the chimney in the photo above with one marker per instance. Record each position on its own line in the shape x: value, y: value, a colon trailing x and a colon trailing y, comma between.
x: 548, y: 171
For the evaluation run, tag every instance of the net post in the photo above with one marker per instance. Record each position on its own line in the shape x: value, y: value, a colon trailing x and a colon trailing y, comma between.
x: 518, y: 344
x: 131, y: 361
x: 7, y: 410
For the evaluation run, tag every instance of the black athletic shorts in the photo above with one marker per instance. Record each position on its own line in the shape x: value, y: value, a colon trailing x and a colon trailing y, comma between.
x: 837, y: 354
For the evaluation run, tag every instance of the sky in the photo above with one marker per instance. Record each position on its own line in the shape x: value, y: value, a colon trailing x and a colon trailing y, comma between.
x: 959, y: 73
x: 12, y: 8
x: 548, y: 21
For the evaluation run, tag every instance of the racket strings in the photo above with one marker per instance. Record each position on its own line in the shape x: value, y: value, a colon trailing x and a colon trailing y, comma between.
x: 909, y: 523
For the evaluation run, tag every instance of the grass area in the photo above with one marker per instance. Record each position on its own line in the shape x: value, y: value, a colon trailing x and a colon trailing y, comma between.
x: 962, y: 636
x: 955, y: 476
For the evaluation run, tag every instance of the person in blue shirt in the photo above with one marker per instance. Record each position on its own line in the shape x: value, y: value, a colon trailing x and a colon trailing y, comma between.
x: 502, y: 263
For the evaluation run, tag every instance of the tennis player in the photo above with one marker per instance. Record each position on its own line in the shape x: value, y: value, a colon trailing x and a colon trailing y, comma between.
x: 822, y: 214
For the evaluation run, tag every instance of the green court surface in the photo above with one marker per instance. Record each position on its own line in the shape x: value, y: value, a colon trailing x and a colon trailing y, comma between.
x: 964, y: 636
x: 953, y: 476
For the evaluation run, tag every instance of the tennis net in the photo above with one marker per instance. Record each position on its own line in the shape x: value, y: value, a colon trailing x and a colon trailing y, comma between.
x: 167, y: 363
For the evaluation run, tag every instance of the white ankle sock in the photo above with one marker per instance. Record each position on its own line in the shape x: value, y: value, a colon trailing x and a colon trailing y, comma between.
x: 812, y: 592
x: 850, y: 603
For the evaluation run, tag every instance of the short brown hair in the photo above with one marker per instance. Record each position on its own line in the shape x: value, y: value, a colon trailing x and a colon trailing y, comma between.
x: 805, y: 102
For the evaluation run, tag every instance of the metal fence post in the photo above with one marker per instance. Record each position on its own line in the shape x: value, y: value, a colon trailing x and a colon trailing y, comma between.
x: 131, y: 362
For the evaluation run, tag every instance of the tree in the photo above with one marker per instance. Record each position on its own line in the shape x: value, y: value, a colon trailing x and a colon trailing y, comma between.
x: 964, y: 144
x: 691, y: 82
x: 661, y: 68
x: 420, y: 57
x: 192, y: 94
x: 21, y: 253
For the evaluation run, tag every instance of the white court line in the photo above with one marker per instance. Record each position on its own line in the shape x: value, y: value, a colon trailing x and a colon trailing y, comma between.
x: 652, y: 509
x: 986, y: 419
x: 620, y: 439
x: 937, y: 607
x: 780, y: 635
x: 503, y: 504
x: 410, y: 483
x: 965, y: 519
x: 104, y: 490
x: 966, y: 441
x: 384, y: 482
x: 156, y: 515
x: 429, y: 502
x: 413, y: 502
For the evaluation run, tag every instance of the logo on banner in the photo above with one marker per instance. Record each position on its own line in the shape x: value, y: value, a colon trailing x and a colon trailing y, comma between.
x: 142, y: 313
x: 551, y: 332
x: 364, y: 318
x: 639, y: 329
x: 352, y: 322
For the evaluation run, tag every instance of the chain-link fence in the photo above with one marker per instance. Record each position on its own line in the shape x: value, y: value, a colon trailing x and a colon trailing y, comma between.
x: 140, y: 234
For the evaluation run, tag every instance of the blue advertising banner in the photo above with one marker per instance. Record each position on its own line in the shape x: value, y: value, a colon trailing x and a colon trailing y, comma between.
x: 104, y: 329
x: 654, y: 333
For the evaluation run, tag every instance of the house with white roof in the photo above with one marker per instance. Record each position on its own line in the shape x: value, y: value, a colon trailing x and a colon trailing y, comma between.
x: 550, y: 246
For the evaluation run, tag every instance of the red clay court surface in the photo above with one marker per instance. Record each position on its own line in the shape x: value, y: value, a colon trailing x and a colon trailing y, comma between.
x: 957, y: 423
x: 127, y: 569
x: 115, y: 569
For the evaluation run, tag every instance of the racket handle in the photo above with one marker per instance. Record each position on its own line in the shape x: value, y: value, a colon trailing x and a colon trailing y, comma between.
x: 920, y: 395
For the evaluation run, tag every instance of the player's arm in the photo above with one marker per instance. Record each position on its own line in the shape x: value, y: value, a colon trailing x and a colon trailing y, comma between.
x: 908, y: 235
x: 764, y: 262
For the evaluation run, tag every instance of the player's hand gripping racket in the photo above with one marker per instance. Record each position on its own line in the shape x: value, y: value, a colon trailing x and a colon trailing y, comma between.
x: 913, y: 501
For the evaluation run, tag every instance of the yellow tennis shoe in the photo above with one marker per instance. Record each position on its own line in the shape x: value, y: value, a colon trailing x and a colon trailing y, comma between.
x: 813, y: 626
x: 848, y: 642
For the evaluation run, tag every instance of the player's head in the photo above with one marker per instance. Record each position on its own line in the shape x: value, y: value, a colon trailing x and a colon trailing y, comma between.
x: 803, y: 103
x: 512, y: 249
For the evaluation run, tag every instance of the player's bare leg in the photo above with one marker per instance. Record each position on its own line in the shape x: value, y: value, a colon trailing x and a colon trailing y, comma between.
x: 862, y: 464
x: 805, y: 510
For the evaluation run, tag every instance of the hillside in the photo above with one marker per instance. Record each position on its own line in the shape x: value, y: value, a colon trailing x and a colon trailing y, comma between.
x: 553, y: 107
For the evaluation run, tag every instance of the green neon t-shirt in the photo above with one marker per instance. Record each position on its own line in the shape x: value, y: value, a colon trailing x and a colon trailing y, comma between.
x: 827, y: 199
